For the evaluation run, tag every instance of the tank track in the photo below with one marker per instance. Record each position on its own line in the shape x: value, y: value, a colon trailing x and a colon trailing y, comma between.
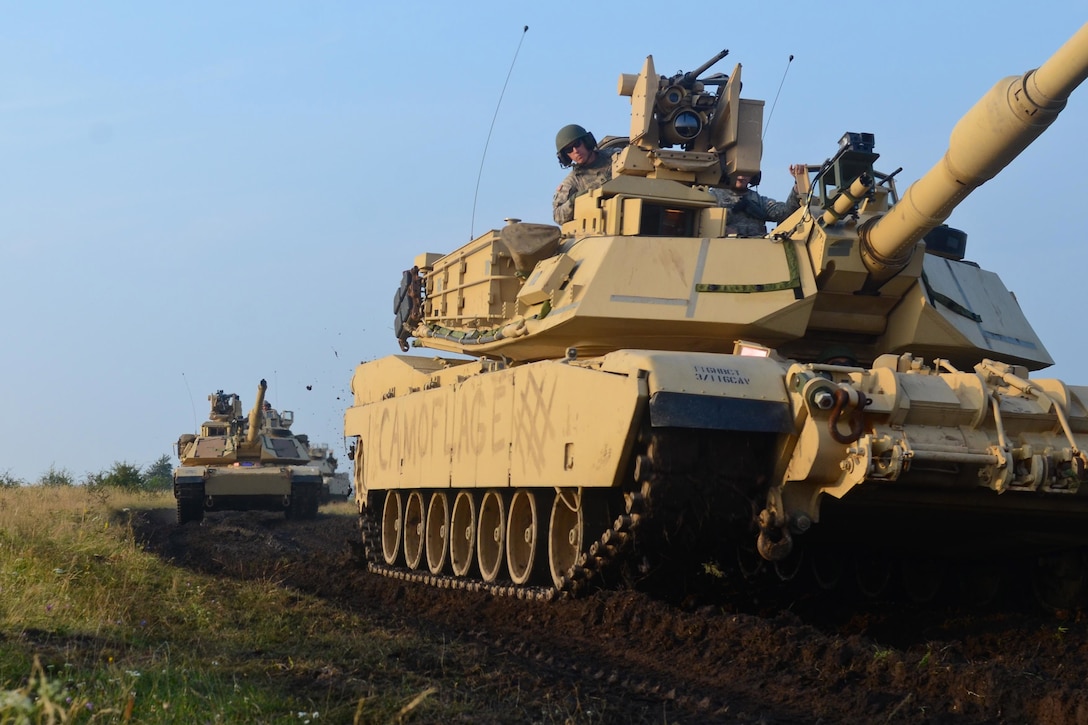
x: 693, y: 500
x: 190, y: 502
x: 305, y: 500
x: 677, y: 476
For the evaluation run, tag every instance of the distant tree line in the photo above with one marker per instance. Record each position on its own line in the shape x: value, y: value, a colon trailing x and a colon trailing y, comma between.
x: 158, y: 476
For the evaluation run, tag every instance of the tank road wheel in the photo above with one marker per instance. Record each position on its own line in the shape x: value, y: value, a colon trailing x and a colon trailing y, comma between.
x: 437, y: 542
x: 566, y: 534
x: 749, y: 561
x: 826, y: 566
x: 524, y: 557
x: 787, y: 569
x: 413, y: 530
x: 979, y: 583
x: 392, y: 523
x: 921, y: 578
x: 872, y: 573
x: 490, y: 535
x: 1058, y: 579
x: 463, y: 534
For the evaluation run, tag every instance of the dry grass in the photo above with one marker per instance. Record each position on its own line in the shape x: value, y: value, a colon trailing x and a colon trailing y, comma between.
x: 95, y: 629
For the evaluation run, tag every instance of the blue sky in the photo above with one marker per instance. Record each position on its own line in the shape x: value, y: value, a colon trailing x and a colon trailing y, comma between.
x: 197, y: 196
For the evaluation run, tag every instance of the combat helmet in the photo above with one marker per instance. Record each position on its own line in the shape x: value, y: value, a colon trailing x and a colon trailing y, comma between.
x: 568, y: 135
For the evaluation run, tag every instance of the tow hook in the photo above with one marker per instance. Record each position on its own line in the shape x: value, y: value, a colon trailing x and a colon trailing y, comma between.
x: 853, y: 403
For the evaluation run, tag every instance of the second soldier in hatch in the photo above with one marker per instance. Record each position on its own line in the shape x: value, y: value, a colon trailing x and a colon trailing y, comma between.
x: 748, y: 211
x: 575, y: 146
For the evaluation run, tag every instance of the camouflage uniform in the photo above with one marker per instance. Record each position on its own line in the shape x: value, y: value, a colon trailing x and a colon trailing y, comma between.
x: 756, y: 211
x: 580, y: 180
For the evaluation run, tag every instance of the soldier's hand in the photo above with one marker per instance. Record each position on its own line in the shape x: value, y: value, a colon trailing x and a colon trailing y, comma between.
x: 799, y: 172
x: 741, y: 206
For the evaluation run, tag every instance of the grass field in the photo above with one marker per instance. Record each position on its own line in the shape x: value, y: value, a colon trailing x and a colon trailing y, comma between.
x: 97, y: 630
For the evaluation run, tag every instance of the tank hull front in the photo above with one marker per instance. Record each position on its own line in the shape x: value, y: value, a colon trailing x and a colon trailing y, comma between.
x: 294, y: 490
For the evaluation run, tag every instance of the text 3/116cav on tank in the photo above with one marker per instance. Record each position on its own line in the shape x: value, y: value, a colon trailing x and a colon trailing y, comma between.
x: 846, y: 396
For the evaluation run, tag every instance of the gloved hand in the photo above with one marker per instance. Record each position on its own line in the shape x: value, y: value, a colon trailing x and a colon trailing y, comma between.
x: 741, y: 206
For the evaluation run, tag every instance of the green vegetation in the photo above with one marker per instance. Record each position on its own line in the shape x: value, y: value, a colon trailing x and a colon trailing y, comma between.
x: 56, y: 477
x: 95, y: 629
x: 125, y: 476
x: 159, y: 475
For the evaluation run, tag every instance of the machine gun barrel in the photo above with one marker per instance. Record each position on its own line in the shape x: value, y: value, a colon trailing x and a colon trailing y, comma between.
x: 1003, y: 123
x: 692, y: 75
x: 256, y: 415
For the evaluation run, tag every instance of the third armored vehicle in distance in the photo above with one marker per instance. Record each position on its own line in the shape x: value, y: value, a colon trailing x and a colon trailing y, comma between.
x: 847, y: 397
x: 244, y: 463
x: 336, y: 486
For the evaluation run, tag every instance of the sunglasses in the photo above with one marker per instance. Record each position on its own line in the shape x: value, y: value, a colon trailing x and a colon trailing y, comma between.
x: 576, y: 144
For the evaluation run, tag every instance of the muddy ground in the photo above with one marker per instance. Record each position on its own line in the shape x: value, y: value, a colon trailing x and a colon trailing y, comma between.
x: 625, y: 657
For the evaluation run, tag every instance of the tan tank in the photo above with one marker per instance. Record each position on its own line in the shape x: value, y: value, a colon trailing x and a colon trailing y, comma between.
x: 336, y: 486
x: 244, y: 463
x: 846, y: 397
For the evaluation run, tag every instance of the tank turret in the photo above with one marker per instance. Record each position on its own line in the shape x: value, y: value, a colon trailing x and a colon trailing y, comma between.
x: 648, y: 392
x: 244, y: 463
x: 646, y: 262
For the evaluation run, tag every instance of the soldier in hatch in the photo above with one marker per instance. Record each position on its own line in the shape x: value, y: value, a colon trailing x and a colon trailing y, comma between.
x: 748, y: 211
x: 592, y: 167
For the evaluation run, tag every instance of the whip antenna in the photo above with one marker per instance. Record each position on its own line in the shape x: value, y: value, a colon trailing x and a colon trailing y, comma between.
x: 771, y: 114
x: 472, y: 223
x: 190, y: 399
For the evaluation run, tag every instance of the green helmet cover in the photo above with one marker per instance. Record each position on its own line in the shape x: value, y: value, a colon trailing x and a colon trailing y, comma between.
x: 569, y: 134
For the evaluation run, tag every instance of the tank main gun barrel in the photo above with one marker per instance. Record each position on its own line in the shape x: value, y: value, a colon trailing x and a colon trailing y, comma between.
x: 256, y: 414
x: 1003, y: 123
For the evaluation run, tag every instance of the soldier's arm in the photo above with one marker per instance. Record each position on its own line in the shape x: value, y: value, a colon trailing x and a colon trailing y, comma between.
x: 725, y: 199
x: 563, y: 202
x: 777, y: 211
